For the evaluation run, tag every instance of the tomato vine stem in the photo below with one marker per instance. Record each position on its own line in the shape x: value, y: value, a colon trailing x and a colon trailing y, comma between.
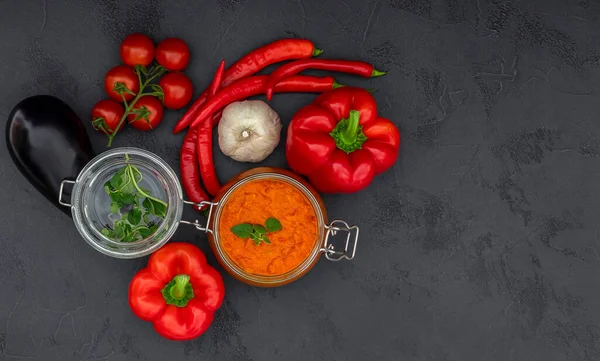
x: 120, y: 88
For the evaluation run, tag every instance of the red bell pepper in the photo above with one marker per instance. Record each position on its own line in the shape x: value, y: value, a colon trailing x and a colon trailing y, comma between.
x: 340, y: 143
x: 178, y: 292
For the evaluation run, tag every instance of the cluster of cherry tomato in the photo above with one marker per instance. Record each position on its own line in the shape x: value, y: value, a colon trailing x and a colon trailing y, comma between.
x: 126, y: 84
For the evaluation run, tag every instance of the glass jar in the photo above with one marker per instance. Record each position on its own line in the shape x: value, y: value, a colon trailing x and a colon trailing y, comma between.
x: 90, y: 203
x: 324, y: 245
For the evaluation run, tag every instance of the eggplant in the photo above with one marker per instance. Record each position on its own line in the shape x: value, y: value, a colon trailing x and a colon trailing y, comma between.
x: 48, y: 143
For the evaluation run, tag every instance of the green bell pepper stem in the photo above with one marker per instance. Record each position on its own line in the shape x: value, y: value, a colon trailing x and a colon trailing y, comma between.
x: 350, y: 134
x: 178, y: 291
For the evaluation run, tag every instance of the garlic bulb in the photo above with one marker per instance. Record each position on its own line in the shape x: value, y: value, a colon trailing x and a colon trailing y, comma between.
x: 249, y: 131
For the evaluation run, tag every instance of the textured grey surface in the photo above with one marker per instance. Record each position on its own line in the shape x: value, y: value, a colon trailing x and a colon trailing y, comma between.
x: 480, y: 244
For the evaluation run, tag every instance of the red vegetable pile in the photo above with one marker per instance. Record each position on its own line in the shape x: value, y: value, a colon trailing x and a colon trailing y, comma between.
x: 135, y: 98
x: 339, y: 142
x: 239, y: 82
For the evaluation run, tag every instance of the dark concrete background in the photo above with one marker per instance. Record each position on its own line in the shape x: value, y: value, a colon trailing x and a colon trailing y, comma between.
x: 479, y: 244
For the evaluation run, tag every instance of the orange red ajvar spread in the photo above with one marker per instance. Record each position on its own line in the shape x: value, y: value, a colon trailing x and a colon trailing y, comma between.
x: 253, y: 203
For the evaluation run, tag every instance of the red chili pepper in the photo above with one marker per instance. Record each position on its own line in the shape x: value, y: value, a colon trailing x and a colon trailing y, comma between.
x: 340, y: 143
x: 343, y: 66
x: 217, y: 80
x: 205, y: 156
x: 255, y: 85
x: 190, y: 176
x: 189, y: 163
x: 217, y: 117
x: 252, y: 63
x: 178, y: 292
x: 275, y: 52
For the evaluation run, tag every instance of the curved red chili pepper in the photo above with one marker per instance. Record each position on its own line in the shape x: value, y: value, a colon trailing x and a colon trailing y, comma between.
x: 217, y: 117
x: 361, y: 68
x: 217, y: 80
x: 275, y: 52
x: 255, y: 85
x: 253, y: 62
x: 205, y: 156
x: 188, y: 163
x: 205, y: 159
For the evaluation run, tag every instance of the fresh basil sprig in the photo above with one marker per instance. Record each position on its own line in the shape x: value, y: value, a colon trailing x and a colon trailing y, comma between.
x: 256, y: 232
x: 134, y: 204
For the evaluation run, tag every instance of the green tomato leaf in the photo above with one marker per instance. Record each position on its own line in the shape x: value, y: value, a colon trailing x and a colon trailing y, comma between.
x: 134, y: 216
x: 141, y: 113
x: 140, y: 69
x: 260, y: 229
x: 115, y: 208
x: 157, y: 91
x: 243, y: 230
x: 273, y: 224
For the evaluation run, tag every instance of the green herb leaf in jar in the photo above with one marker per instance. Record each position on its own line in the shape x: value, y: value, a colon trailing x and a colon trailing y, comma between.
x: 126, y: 196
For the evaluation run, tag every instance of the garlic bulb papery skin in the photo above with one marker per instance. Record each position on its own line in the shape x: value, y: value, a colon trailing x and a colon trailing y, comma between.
x: 249, y: 131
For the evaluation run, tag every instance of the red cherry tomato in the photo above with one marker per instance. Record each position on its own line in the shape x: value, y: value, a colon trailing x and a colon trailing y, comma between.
x: 173, y: 54
x: 150, y: 109
x: 178, y: 90
x: 106, y: 115
x: 137, y: 49
x: 121, y: 74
